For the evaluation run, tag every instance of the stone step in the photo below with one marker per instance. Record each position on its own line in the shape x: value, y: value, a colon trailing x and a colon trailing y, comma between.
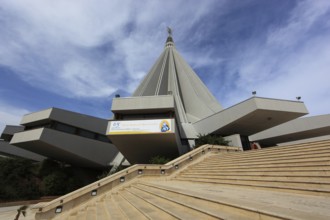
x: 267, y: 159
x: 322, y: 154
x: 270, y: 161
x: 301, y: 165
x: 255, y: 169
x: 81, y: 215
x: 129, y: 211
x: 261, y: 172
x: 113, y: 210
x: 289, y: 148
x: 101, y: 211
x: 90, y: 213
x: 306, y: 188
x: 295, y: 154
x: 264, y: 153
x: 276, y: 150
x: 72, y: 217
x: 267, y: 177
x: 202, y: 205
x: 174, y: 209
x: 149, y: 210
x: 249, y: 203
x: 271, y: 151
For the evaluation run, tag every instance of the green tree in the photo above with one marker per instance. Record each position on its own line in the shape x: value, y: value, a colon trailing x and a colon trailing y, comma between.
x: 17, y: 180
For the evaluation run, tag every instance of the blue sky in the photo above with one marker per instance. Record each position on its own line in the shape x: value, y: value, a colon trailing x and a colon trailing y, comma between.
x: 78, y: 54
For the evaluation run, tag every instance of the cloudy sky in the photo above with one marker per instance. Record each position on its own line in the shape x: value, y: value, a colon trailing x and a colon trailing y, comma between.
x: 78, y: 54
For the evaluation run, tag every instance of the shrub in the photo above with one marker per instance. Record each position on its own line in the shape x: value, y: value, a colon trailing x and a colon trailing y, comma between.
x: 47, y: 167
x: 159, y: 160
x: 212, y: 139
x: 55, y: 184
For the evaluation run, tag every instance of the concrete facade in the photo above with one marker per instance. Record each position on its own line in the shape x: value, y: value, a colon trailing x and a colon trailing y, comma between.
x: 292, y: 131
x: 66, y: 136
x: 173, y: 91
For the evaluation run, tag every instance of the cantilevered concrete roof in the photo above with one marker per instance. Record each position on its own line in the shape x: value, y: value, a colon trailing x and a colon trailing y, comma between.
x: 11, y: 150
x: 301, y: 128
x: 251, y: 116
x: 87, y: 122
x: 143, y: 104
x: 10, y: 130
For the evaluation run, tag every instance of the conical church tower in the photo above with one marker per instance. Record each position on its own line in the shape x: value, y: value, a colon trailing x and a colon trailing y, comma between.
x: 172, y: 75
x: 171, y: 91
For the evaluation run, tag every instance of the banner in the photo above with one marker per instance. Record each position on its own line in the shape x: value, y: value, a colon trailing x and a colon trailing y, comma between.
x: 140, y: 126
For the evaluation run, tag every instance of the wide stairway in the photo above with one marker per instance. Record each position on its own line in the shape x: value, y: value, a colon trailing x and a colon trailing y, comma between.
x: 289, y: 182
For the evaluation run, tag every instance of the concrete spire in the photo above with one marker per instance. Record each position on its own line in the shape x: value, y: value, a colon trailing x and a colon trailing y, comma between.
x: 171, y: 74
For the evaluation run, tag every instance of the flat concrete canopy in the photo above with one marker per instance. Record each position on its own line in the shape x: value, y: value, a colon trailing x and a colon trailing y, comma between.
x: 301, y: 128
x: 143, y: 104
x: 251, y: 116
x: 11, y: 150
x: 10, y: 130
x: 73, y: 149
x: 86, y: 122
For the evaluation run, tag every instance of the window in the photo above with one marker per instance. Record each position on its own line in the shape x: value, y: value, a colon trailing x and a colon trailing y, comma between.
x: 65, y: 128
x: 103, y: 138
x: 87, y: 134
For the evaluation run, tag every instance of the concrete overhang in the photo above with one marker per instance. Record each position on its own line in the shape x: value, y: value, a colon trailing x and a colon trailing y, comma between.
x: 73, y: 149
x: 13, y: 151
x: 301, y: 128
x: 143, y: 104
x: 251, y: 116
x: 86, y: 122
x: 10, y: 130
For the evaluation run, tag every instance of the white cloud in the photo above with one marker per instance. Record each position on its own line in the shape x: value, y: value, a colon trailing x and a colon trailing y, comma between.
x: 10, y: 115
x: 292, y: 62
x: 50, y: 44
x: 302, y: 19
x: 81, y: 74
x: 59, y: 46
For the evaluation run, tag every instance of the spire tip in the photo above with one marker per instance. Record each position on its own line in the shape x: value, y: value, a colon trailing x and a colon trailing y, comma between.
x: 169, y: 31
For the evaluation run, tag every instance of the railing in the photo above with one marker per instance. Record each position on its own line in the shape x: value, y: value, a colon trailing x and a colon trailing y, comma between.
x: 75, y: 198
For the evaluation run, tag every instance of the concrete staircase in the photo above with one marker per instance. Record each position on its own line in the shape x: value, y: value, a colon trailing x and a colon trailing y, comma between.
x: 301, y: 169
x: 291, y: 182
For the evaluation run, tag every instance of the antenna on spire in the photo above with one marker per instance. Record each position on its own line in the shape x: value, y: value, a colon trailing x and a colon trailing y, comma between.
x: 169, y: 41
x: 169, y: 31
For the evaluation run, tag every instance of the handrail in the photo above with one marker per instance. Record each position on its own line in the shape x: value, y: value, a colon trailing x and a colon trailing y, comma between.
x: 102, y: 186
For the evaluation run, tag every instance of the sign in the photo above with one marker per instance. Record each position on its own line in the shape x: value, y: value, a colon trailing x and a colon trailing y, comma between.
x: 140, y: 126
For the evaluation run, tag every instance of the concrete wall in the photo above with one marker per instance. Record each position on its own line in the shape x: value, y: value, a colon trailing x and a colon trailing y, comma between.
x: 235, y: 141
